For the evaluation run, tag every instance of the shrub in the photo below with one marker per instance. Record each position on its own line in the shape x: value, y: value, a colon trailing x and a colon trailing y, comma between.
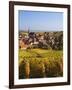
x: 37, y: 69
x: 53, y: 68
x: 24, y: 69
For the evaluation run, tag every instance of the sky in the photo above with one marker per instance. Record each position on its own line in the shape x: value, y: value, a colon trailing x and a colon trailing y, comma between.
x: 40, y: 21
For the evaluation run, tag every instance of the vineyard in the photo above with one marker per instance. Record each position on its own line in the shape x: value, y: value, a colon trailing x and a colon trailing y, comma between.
x: 39, y: 63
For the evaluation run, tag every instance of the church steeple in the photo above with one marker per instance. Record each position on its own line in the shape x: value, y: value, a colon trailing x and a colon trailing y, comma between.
x: 28, y: 30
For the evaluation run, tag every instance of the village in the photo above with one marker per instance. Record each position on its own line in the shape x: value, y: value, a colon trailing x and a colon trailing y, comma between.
x: 31, y: 40
x: 44, y: 40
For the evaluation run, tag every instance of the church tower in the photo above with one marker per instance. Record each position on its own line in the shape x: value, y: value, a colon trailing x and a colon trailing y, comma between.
x: 28, y: 30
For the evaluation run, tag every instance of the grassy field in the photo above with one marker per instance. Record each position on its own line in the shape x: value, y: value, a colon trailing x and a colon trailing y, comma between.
x: 39, y: 63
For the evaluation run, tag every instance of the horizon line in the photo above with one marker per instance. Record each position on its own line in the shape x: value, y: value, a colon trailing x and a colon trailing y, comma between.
x: 41, y: 31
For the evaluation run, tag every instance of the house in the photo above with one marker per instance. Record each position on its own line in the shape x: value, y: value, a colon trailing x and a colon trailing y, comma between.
x: 22, y: 45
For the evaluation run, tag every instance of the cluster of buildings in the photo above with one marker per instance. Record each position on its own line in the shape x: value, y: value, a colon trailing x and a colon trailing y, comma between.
x: 45, y: 40
x: 29, y: 39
